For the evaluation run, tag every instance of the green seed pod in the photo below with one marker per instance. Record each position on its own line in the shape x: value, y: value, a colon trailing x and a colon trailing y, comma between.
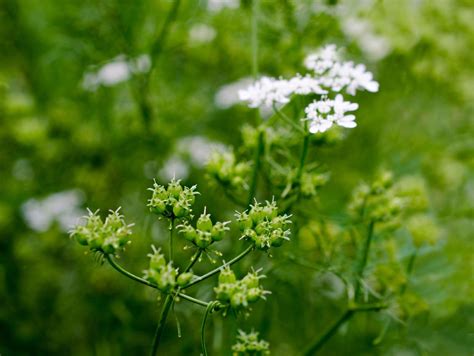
x: 224, y: 292
x: 254, y: 294
x: 245, y: 222
x: 251, y: 280
x: 157, y: 261
x: 180, y: 209
x: 257, y: 215
x: 261, y: 228
x: 204, y: 223
x: 81, y: 238
x: 189, y: 233
x: 218, y: 231
x: 238, y: 300
x: 157, y: 206
x: 227, y: 276
x: 203, y: 239
x: 174, y: 189
x: 184, y: 278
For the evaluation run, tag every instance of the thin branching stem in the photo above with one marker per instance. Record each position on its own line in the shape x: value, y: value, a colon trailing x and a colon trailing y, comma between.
x: 209, y: 309
x: 254, y: 38
x: 285, y: 118
x: 348, y: 314
x: 161, y: 324
x: 259, y: 150
x: 220, y: 268
x: 130, y: 275
x: 171, y: 228
x: 364, y: 259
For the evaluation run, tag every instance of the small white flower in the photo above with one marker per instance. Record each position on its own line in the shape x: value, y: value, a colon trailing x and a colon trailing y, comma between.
x: 324, y: 113
x: 322, y: 60
x: 266, y: 92
x: 201, y: 33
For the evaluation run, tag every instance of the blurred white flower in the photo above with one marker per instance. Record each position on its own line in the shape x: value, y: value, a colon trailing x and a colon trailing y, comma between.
x: 218, y: 5
x: 116, y: 71
x: 201, y: 33
x: 324, y: 113
x: 174, y: 167
x: 374, y: 46
x: 63, y: 208
x: 228, y: 95
x: 198, y: 149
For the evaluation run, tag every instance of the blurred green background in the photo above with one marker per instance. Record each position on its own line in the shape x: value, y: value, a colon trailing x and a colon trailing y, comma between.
x: 80, y: 127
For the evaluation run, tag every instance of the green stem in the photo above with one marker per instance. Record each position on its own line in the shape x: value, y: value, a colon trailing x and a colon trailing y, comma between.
x: 254, y: 39
x: 259, y: 149
x: 218, y: 269
x: 123, y: 271
x: 285, y: 118
x: 209, y: 308
x: 364, y: 259
x: 171, y: 228
x: 149, y: 284
x: 193, y: 300
x: 194, y: 259
x: 304, y: 154
x: 161, y: 324
x: 411, y: 264
x: 143, y: 89
x: 314, y: 348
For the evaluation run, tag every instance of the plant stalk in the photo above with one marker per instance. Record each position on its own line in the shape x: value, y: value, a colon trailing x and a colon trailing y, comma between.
x: 363, y: 261
x: 218, y: 269
x: 259, y: 149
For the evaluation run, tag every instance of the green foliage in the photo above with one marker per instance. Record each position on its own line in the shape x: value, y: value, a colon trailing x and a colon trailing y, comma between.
x: 56, y: 135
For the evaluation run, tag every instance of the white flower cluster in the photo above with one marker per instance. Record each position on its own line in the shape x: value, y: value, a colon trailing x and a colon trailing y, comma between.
x: 118, y: 70
x: 329, y: 74
x: 324, y: 113
x: 62, y: 208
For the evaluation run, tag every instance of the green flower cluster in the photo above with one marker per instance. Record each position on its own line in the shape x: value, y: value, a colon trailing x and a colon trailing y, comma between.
x: 377, y: 202
x: 224, y: 168
x: 311, y: 182
x: 205, y: 232
x: 239, y: 293
x: 263, y: 226
x: 249, y: 344
x: 163, y: 274
x: 175, y: 201
x: 107, y: 237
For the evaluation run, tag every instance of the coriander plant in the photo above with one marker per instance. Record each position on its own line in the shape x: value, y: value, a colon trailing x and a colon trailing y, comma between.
x: 274, y: 181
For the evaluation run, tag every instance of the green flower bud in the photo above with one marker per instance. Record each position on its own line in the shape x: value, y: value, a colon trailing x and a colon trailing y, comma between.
x: 254, y: 294
x: 224, y: 292
x: 238, y: 300
x: 227, y: 276
x: 218, y: 231
x: 244, y: 221
x: 204, y: 223
x: 184, y: 278
x: 203, y: 239
x: 189, y: 233
x: 251, y: 280
x: 174, y: 189
x: 180, y: 209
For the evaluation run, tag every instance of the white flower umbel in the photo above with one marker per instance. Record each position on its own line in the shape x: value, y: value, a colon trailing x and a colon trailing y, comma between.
x: 322, y: 60
x: 265, y: 92
x: 329, y: 75
x: 116, y: 71
x: 268, y: 91
x: 324, y: 113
